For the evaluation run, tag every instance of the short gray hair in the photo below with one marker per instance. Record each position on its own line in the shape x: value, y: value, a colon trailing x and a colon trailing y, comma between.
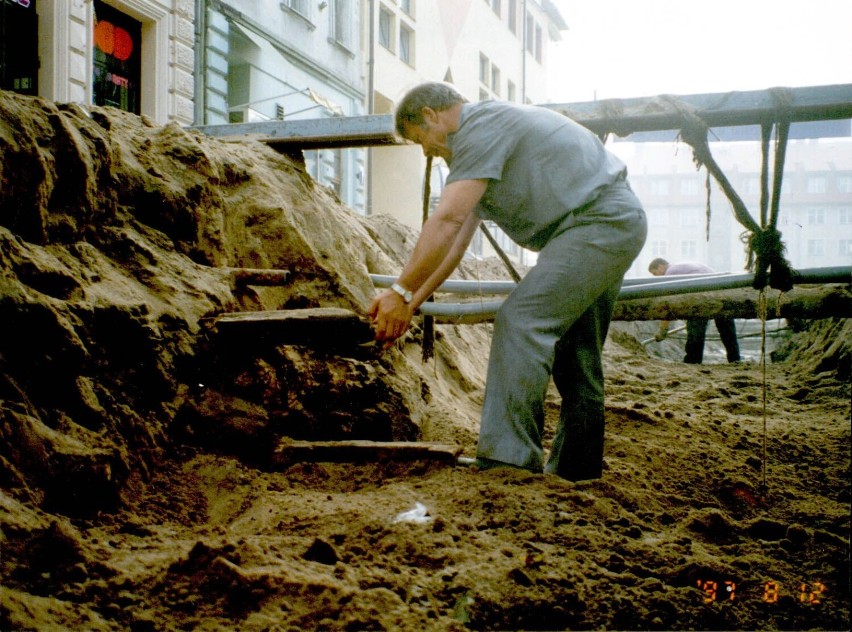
x: 433, y: 94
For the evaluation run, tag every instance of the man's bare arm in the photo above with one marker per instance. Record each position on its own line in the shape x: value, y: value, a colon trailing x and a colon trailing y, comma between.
x: 450, y: 262
x: 437, y: 252
x: 440, y: 231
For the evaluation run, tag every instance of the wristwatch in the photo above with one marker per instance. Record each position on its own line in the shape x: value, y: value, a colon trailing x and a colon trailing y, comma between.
x: 405, y: 294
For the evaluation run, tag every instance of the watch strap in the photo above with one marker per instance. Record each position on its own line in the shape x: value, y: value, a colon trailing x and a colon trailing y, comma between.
x: 405, y: 294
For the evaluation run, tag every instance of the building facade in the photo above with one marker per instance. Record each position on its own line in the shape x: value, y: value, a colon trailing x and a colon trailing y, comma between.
x: 221, y: 61
x: 260, y: 60
x: 133, y: 54
x: 488, y: 49
x: 815, y: 209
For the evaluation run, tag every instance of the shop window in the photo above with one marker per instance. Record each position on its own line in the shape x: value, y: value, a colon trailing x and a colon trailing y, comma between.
x: 117, y: 59
x: 19, y: 46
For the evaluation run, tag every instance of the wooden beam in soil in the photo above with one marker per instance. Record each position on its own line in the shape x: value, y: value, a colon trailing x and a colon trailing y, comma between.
x: 319, y: 326
x: 289, y: 452
x: 828, y: 301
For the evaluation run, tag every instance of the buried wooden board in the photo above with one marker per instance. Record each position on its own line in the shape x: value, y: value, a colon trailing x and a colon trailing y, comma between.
x: 326, y: 326
x: 289, y: 452
x: 826, y: 301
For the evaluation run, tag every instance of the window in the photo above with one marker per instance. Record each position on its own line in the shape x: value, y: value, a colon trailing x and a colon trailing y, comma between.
x: 816, y: 184
x: 816, y: 216
x: 659, y: 248
x: 689, y: 217
x: 513, y: 16
x: 511, y: 91
x: 483, y: 69
x: 495, y: 80
x: 533, y: 36
x: 299, y: 6
x: 341, y: 18
x: 483, y: 95
x: 385, y: 23
x: 495, y: 6
x: 19, y: 68
x: 845, y: 216
x: 688, y: 249
x: 117, y: 59
x: 407, y: 8
x: 538, y: 43
x: 816, y: 247
x: 406, y: 41
x: 658, y: 217
x: 844, y: 184
x: 844, y: 247
x: 659, y: 187
x: 530, y: 33
x: 690, y: 187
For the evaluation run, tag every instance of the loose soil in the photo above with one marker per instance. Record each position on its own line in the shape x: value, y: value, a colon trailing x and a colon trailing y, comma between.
x: 138, y: 484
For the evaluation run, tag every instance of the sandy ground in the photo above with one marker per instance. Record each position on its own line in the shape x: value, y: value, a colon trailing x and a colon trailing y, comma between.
x: 136, y: 488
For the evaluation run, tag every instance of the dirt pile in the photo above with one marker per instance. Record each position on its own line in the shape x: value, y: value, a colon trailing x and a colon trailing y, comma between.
x: 136, y: 485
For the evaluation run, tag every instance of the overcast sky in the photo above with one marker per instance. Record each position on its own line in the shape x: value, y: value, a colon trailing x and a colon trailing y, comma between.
x: 634, y: 48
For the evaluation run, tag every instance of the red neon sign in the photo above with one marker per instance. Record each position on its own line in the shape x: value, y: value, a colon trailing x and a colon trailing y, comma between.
x: 113, y: 40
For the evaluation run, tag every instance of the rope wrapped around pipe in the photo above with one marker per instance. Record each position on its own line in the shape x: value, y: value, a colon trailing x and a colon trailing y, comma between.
x: 766, y: 251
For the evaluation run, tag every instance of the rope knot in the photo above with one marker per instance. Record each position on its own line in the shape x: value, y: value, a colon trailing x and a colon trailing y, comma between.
x: 766, y: 259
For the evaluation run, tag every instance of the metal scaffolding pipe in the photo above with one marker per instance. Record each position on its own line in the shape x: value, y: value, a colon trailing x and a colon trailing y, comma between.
x: 642, y: 287
x: 673, y: 286
x: 457, y: 286
x: 476, y: 286
x: 483, y: 311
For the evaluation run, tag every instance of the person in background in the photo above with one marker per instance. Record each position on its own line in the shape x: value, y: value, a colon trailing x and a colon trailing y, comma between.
x: 696, y: 328
x: 552, y: 187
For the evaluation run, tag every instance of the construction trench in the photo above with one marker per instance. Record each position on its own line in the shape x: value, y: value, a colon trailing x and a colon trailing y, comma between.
x: 159, y: 470
x: 774, y: 110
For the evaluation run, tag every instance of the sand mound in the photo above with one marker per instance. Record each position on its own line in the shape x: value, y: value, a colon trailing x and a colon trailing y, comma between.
x: 137, y: 488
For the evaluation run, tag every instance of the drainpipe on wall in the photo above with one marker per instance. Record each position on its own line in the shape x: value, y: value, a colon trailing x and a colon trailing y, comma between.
x: 524, y: 55
x: 371, y: 104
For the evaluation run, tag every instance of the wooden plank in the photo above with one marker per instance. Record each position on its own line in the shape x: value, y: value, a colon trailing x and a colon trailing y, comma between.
x: 318, y: 326
x: 343, y: 131
x: 241, y: 277
x: 830, y: 301
x: 752, y: 107
x: 621, y: 115
x: 289, y: 452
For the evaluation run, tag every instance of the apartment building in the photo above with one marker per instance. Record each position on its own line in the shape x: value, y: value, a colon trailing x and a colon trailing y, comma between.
x: 306, y: 59
x: 488, y: 49
x: 207, y: 62
x: 815, y: 210
x: 133, y: 54
x: 261, y: 60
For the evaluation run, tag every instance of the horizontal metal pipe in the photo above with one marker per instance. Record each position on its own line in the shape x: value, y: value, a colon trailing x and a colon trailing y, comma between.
x: 673, y: 286
x: 484, y: 311
x: 476, y: 286
x: 642, y: 287
x: 457, y: 286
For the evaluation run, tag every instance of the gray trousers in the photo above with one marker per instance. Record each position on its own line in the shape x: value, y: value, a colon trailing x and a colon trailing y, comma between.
x: 555, y: 322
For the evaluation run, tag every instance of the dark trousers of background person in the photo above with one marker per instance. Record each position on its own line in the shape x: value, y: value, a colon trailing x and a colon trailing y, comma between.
x: 696, y: 329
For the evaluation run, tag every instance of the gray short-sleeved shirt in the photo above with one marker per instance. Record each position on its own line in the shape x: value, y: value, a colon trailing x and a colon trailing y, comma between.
x: 540, y: 165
